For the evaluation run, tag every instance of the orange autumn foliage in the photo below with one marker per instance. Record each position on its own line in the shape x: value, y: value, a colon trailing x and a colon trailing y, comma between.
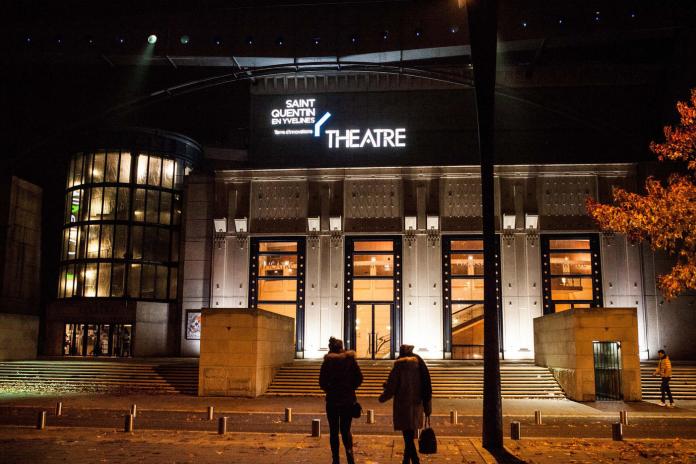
x: 665, y: 216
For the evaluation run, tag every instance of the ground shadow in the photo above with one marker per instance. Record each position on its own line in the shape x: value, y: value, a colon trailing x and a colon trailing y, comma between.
x: 503, y: 456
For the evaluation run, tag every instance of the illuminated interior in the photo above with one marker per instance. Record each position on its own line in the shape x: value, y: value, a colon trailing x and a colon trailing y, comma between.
x: 278, y: 277
x: 570, y: 273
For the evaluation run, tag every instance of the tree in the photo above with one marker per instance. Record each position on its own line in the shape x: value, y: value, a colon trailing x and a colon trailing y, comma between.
x: 665, y: 216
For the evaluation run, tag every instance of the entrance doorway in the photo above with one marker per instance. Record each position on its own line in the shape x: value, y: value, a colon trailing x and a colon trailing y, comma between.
x: 97, y: 340
x: 373, y: 330
x: 607, y: 369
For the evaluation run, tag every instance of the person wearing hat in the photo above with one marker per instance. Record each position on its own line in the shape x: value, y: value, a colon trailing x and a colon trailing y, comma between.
x: 339, y: 377
x: 410, y: 386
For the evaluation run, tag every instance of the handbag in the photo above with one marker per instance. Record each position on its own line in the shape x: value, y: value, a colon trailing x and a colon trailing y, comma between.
x: 427, y: 442
x: 356, y: 410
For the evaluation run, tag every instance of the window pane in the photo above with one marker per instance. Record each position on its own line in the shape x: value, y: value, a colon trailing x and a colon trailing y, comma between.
x: 150, y: 244
x: 112, y: 166
x: 152, y: 208
x: 177, y: 209
x: 571, y: 288
x: 373, y: 290
x: 277, y: 290
x: 280, y: 247
x: 82, y: 242
x: 175, y: 247
x: 373, y: 246
x: 161, y: 283
x: 109, y: 203
x: 162, y: 245
x: 172, y: 283
x: 141, y: 175
x: 573, y: 244
x: 124, y: 176
x: 134, y: 280
x: 79, y: 279
x: 104, y: 279
x: 289, y: 310
x: 137, y: 242
x: 95, y: 203
x: 168, y: 173
x: 122, y: 205
x: 93, y: 242
x: 179, y: 175
x: 120, y: 242
x: 72, y: 243
x: 467, y: 327
x: 165, y: 208
x: 466, y: 264
x: 84, y: 205
x: 147, y: 284
x: 377, y: 265
x: 139, y: 205
x: 571, y: 263
x: 98, y: 168
x: 105, y: 249
x: 91, y: 280
x: 467, y: 245
x: 118, y: 282
x: 75, y: 204
x: 278, y: 265
x: 558, y: 307
x: 467, y: 290
x: 153, y: 174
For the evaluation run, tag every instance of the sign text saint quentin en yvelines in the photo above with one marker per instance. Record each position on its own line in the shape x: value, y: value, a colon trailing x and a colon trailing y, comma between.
x: 303, y: 112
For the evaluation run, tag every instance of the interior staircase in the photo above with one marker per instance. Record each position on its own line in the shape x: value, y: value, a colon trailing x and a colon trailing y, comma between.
x: 451, y: 379
x: 683, y: 383
x: 167, y: 376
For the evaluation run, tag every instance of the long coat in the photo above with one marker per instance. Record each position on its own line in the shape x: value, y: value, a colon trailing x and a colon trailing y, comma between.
x: 409, y: 385
x: 339, y: 377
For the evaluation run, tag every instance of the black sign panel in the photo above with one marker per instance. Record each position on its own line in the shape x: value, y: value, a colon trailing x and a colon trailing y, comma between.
x: 406, y: 128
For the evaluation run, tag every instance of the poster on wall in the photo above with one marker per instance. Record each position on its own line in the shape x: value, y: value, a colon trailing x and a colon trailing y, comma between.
x: 193, y: 325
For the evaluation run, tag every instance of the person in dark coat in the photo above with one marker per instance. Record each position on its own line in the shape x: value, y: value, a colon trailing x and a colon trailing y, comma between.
x: 339, y: 377
x: 410, y: 386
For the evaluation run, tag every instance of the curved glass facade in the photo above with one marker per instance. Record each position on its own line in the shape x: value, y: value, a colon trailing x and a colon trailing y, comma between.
x: 121, y: 225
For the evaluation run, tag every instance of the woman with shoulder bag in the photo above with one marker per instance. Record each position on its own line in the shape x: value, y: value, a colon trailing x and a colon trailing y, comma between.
x: 339, y: 377
x: 410, y: 386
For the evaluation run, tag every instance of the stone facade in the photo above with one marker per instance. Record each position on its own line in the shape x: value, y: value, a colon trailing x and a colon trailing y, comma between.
x: 563, y: 342
x: 241, y: 349
x: 19, y: 334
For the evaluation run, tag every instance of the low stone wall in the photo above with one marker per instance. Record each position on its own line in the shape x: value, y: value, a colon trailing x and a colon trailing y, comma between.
x: 241, y: 349
x: 563, y: 342
x: 19, y: 334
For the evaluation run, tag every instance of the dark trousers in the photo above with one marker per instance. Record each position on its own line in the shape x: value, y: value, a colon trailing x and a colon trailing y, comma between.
x: 410, y: 451
x: 340, y: 419
x: 665, y: 390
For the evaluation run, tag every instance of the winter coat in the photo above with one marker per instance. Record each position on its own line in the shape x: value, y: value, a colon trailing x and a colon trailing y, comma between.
x: 664, y: 367
x: 409, y: 384
x: 339, y: 377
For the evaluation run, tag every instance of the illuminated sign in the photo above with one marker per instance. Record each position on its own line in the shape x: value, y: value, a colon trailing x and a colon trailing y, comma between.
x: 298, y: 117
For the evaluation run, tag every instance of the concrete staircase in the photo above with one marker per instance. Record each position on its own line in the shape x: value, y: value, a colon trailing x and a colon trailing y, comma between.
x: 167, y: 376
x: 451, y: 379
x: 683, y: 384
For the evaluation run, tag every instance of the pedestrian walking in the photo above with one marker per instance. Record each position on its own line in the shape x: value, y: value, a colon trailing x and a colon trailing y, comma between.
x: 409, y: 384
x: 664, y: 370
x: 339, y: 377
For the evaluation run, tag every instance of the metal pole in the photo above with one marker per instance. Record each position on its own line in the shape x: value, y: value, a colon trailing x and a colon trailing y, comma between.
x: 222, y: 425
x: 617, y: 431
x: 288, y: 414
x: 59, y: 408
x: 41, y: 420
x: 128, y: 423
x: 623, y: 417
x: 370, y: 416
x: 211, y: 412
x: 537, y: 417
x: 316, y: 428
x: 483, y: 24
x: 134, y: 410
x: 515, y: 432
x: 453, y: 417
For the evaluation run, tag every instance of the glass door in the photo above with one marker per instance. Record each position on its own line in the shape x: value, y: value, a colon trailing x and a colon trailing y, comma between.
x: 373, y: 330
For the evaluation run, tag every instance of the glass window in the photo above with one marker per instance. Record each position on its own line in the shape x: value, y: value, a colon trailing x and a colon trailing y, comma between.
x: 154, y: 171
x: 150, y: 244
x: 161, y: 283
x: 569, y: 244
x: 288, y: 310
x: 147, y: 281
x: 373, y: 289
x: 104, y: 287
x: 565, y: 263
x: 137, y: 242
x: 79, y: 279
x: 162, y: 245
x: 111, y: 167
x: 277, y: 265
x: 139, y: 205
x: 93, y: 241
x: 373, y: 265
x: 84, y: 205
x: 172, y: 282
x: 109, y: 210
x: 124, y: 176
x: 95, y: 203
x: 120, y: 239
x: 386, y: 245
x: 175, y: 246
x: 118, y: 280
x: 74, y: 204
x: 168, y: 173
x: 91, y: 280
x: 134, y: 280
x: 277, y: 290
x: 89, y: 159
x: 152, y: 208
x: 98, y: 167
x: 277, y: 247
x: 571, y: 288
x: 467, y: 245
x: 466, y: 264
x: 165, y: 208
x: 105, y: 248
x: 141, y: 175
x: 122, y: 204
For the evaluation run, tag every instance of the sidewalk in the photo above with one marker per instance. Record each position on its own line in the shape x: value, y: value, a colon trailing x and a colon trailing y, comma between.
x: 81, y: 446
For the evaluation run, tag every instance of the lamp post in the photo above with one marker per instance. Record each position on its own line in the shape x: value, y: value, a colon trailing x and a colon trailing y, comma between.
x: 482, y: 17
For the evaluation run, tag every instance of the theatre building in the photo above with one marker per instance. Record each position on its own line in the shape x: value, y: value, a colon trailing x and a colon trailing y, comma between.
x: 356, y: 210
